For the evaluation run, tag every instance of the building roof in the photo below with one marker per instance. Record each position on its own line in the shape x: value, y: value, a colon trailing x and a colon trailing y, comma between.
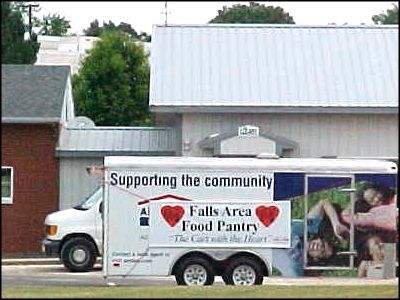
x: 101, y: 141
x: 32, y: 93
x: 214, y: 140
x: 273, y: 68
x: 64, y: 50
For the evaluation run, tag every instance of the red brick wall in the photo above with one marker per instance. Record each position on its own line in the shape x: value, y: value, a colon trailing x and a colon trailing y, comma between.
x: 30, y: 150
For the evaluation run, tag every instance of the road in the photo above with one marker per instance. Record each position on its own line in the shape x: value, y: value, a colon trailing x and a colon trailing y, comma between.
x: 57, y: 275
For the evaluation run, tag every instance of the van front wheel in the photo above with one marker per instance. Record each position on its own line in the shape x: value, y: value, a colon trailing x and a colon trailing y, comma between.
x: 78, y: 254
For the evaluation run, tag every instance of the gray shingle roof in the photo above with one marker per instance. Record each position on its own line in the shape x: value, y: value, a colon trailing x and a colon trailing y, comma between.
x: 30, y: 92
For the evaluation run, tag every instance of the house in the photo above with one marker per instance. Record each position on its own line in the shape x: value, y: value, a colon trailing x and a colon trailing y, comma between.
x: 288, y: 90
x: 36, y: 102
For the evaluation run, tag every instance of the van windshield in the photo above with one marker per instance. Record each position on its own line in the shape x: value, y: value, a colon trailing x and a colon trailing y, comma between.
x: 91, y: 200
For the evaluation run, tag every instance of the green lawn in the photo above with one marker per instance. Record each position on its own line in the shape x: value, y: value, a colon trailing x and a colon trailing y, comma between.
x: 263, y: 291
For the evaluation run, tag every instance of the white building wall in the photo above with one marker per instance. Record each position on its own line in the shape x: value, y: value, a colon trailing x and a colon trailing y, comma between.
x: 68, y: 109
x: 64, y: 50
x: 240, y: 145
x: 372, y: 135
x: 75, y: 182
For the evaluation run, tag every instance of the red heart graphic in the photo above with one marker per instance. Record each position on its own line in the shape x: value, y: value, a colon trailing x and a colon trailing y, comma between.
x: 172, y: 214
x: 267, y: 214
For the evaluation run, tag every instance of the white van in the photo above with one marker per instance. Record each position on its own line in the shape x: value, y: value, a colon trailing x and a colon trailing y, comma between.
x: 75, y: 234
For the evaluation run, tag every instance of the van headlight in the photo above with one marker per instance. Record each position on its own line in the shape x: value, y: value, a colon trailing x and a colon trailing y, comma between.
x: 51, y: 229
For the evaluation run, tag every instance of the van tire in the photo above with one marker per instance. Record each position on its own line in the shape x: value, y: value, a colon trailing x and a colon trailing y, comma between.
x: 78, y: 254
x: 194, y: 271
x: 243, y: 271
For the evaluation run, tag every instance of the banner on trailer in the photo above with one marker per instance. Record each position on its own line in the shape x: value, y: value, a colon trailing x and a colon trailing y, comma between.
x: 198, y: 185
x: 219, y: 224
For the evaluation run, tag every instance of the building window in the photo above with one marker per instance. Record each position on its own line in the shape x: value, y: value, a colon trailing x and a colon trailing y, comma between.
x: 6, y: 185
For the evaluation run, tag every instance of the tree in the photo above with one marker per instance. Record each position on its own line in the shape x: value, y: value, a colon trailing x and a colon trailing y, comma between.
x: 14, y: 49
x: 112, y: 85
x: 127, y: 28
x: 53, y: 25
x: 254, y: 13
x: 390, y: 17
x: 144, y: 37
x: 95, y: 29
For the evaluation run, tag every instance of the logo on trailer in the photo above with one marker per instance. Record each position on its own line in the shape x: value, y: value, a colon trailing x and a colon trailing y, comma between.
x: 171, y: 214
x: 267, y: 214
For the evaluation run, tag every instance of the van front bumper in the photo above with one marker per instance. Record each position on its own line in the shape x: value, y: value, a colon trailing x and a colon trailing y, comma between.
x: 51, y: 247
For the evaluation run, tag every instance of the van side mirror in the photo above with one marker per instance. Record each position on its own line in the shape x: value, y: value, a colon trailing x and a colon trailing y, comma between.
x: 101, y: 207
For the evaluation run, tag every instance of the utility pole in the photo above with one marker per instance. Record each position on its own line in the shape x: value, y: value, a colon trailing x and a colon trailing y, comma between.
x: 166, y: 13
x: 30, y: 17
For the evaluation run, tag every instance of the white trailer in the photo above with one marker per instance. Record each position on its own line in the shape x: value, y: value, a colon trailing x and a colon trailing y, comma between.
x: 197, y: 218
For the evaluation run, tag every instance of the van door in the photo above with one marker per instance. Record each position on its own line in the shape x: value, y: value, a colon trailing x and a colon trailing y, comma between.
x: 99, y: 225
x: 325, y: 198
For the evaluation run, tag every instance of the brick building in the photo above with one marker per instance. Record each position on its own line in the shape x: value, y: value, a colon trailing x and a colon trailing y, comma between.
x: 36, y: 102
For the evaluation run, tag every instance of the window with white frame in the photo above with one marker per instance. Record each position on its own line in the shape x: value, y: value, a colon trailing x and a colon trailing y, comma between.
x: 6, y: 185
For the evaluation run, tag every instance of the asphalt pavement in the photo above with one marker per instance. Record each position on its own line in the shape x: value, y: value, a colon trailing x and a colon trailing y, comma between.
x: 314, y: 280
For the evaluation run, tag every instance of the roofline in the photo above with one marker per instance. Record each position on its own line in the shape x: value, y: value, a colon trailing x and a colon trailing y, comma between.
x: 102, y: 153
x: 29, y: 120
x: 255, y: 25
x: 272, y: 109
x: 114, y: 128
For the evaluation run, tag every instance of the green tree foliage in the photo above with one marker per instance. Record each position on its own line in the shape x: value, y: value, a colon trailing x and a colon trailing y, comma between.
x: 390, y: 17
x: 14, y: 49
x: 112, y: 86
x: 95, y: 29
x: 144, y: 37
x: 53, y: 25
x: 254, y: 13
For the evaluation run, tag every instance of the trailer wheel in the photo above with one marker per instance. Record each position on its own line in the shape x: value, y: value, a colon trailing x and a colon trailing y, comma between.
x: 243, y: 271
x: 78, y: 254
x: 194, y: 271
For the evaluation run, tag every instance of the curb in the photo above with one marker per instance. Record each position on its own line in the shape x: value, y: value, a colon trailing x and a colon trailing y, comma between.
x: 29, y: 261
x: 34, y: 261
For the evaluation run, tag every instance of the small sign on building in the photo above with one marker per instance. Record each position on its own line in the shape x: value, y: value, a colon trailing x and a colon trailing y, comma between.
x: 249, y: 131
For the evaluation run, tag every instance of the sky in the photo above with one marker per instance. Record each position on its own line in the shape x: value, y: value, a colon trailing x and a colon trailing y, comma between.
x: 143, y: 14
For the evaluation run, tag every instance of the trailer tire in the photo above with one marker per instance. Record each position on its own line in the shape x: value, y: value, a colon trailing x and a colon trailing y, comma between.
x: 78, y: 254
x: 243, y: 271
x: 194, y: 271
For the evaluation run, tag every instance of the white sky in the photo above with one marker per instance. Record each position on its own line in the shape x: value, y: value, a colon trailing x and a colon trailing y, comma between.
x: 142, y: 15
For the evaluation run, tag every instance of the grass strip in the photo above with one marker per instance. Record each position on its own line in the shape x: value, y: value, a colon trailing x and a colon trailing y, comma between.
x: 264, y: 291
